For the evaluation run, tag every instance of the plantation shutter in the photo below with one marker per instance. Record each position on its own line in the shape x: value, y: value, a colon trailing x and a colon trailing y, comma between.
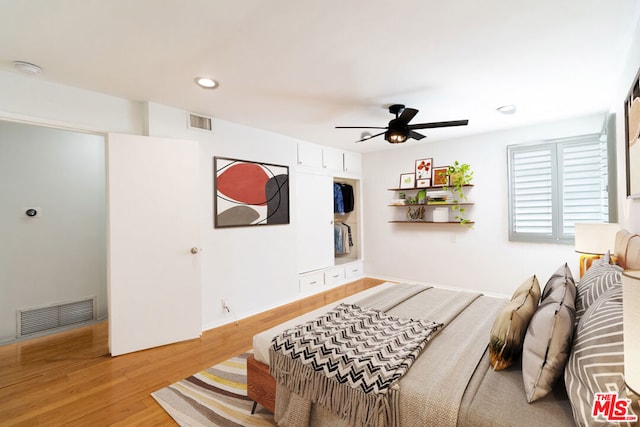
x: 555, y: 184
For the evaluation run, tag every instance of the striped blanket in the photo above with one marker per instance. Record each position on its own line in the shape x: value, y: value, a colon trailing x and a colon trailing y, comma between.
x: 350, y: 361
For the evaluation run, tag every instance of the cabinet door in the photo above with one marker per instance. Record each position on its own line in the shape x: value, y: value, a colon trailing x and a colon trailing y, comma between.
x: 332, y: 159
x: 352, y: 162
x: 310, y: 155
x: 314, y: 196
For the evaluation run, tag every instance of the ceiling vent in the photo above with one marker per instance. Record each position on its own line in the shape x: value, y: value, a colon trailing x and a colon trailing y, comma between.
x: 199, y: 122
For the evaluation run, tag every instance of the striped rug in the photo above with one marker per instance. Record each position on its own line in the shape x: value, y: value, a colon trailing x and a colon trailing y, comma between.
x: 214, y: 397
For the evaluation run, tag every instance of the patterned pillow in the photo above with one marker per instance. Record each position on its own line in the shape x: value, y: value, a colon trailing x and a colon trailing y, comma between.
x: 596, y: 364
x: 507, y: 334
x: 547, y: 342
x: 600, y: 277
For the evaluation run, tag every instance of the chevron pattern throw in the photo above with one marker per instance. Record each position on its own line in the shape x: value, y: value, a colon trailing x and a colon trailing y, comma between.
x: 355, y: 353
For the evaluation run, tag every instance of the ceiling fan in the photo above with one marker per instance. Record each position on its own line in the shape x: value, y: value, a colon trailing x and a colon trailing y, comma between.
x: 399, y: 130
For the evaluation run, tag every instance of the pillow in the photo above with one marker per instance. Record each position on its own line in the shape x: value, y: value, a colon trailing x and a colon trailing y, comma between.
x: 547, y: 342
x: 507, y: 334
x: 599, y: 278
x: 596, y: 363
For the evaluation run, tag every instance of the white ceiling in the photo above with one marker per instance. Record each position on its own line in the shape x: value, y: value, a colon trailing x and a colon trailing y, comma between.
x: 302, y: 67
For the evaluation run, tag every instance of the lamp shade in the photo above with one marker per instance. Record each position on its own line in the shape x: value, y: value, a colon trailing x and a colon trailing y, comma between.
x: 595, y: 237
x: 631, y: 325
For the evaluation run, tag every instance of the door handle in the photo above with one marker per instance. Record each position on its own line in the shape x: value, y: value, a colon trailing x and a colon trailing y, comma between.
x: 195, y: 250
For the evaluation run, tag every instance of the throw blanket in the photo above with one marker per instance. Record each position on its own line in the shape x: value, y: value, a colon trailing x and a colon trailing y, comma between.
x: 350, y: 361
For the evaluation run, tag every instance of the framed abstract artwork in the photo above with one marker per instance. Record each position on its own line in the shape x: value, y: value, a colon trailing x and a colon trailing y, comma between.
x: 632, y: 138
x: 441, y: 176
x: 423, y: 169
x: 249, y: 193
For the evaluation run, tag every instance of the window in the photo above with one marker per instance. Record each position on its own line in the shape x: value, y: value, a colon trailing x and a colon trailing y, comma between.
x: 554, y: 184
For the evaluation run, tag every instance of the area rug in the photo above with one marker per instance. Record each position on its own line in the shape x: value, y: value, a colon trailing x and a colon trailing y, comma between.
x: 214, y: 397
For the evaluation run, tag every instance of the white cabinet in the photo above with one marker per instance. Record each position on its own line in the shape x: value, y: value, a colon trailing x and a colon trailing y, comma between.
x: 312, y: 282
x: 332, y: 159
x: 334, y: 276
x: 352, y: 162
x: 329, y: 160
x: 314, y: 201
x: 310, y: 155
x: 353, y: 271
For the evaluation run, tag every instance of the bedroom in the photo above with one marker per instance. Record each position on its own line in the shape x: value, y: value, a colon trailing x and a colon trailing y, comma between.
x: 413, y: 254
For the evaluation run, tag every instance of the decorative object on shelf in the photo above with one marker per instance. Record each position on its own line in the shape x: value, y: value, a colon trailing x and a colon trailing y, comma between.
x: 441, y: 214
x: 407, y: 180
x: 423, y: 169
x: 441, y: 176
x: 423, y: 183
x: 249, y: 193
x: 415, y: 213
x: 459, y: 176
x: 422, y: 197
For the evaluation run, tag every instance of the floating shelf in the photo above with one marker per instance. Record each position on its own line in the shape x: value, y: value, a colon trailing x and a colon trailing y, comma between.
x: 431, y: 222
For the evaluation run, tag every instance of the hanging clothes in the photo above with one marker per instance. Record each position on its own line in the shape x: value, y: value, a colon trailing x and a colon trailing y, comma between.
x: 343, y: 240
x: 347, y: 197
x: 338, y: 201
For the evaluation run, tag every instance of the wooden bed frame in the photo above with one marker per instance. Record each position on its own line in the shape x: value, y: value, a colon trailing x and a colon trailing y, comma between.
x: 261, y: 387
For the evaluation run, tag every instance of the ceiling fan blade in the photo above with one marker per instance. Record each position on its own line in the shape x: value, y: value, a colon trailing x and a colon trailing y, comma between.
x: 407, y: 114
x: 360, y: 127
x: 439, y: 124
x: 416, y: 135
x: 369, y: 137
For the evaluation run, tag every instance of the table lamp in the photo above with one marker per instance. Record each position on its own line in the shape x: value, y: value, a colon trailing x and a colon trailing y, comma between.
x: 631, y: 325
x: 594, y: 239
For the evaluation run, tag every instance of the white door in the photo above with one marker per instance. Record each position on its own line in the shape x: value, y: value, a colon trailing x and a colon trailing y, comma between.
x: 153, y: 223
x: 314, y: 198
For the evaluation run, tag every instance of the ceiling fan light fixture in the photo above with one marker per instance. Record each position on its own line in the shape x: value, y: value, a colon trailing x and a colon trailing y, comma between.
x: 395, y: 137
x: 206, y: 82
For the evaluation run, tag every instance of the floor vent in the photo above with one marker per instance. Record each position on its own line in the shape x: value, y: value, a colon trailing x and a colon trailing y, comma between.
x: 200, y: 122
x: 52, y: 317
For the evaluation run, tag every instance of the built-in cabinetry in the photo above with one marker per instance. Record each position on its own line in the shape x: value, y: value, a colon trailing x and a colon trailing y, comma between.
x: 401, y: 212
x: 319, y: 266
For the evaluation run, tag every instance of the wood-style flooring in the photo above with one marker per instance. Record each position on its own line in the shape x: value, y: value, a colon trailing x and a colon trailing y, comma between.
x: 70, y: 379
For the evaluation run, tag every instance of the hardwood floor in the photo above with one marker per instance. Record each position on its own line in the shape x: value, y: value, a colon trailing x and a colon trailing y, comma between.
x: 70, y: 379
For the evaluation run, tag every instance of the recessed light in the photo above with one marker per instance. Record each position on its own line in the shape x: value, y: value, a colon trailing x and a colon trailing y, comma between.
x: 27, y: 67
x: 206, y: 82
x: 506, y: 109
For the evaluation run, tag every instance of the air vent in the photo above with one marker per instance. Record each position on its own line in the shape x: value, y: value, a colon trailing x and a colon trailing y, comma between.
x: 200, y: 122
x: 53, y: 317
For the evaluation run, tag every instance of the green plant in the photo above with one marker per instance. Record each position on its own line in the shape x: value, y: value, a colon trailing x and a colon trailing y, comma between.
x: 459, y: 176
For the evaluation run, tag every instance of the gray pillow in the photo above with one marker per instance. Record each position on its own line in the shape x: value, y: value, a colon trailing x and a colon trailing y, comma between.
x: 600, y: 277
x: 596, y: 363
x: 547, y: 342
x: 509, y: 328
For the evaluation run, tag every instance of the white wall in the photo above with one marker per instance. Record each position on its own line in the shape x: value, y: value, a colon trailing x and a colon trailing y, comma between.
x: 629, y: 209
x: 480, y: 258
x: 59, y: 256
x: 252, y: 268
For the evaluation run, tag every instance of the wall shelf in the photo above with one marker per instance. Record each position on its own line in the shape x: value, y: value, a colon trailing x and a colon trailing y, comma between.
x: 431, y: 222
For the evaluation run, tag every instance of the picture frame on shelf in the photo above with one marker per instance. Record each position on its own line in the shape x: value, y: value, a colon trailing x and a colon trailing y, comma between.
x: 407, y: 180
x: 423, y: 168
x: 423, y: 183
x: 441, y: 176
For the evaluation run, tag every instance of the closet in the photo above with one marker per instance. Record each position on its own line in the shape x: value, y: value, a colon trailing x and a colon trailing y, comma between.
x: 322, y: 260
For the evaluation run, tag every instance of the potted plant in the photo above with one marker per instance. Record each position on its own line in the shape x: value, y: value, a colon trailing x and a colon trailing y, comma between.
x: 459, y: 176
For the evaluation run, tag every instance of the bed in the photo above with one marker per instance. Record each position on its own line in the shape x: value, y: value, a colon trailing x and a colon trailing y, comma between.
x: 452, y: 382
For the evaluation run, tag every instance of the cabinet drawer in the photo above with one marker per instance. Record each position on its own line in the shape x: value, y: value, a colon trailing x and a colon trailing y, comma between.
x: 334, y: 276
x: 353, y: 271
x: 310, y: 282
